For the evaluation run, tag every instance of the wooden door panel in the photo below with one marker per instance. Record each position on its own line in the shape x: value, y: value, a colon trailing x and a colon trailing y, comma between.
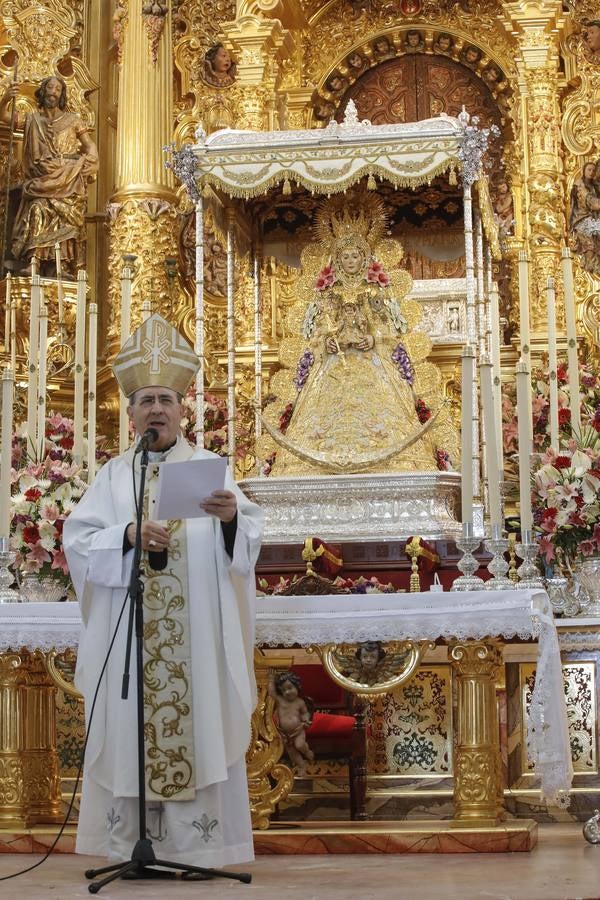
x: 419, y: 86
x: 385, y: 94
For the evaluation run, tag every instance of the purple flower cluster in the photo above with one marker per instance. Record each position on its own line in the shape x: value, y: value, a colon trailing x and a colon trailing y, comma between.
x: 303, y: 370
x: 403, y: 364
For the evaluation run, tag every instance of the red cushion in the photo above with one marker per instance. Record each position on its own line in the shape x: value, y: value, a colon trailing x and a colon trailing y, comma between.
x: 327, y: 725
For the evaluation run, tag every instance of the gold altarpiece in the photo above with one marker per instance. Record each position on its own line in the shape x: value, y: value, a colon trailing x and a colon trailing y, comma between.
x: 140, y: 85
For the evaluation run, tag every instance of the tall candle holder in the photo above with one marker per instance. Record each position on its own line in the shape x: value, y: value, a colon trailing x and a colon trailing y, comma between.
x: 7, y: 558
x: 528, y: 572
x: 498, y: 566
x: 468, y: 565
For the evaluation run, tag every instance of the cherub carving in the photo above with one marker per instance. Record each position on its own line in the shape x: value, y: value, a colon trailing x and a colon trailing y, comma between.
x: 293, y: 718
x: 369, y: 663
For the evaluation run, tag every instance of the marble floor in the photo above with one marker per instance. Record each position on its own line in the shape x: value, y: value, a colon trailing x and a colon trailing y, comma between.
x: 562, y: 867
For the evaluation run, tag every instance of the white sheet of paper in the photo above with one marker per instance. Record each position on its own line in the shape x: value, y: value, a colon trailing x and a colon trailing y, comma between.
x: 182, y: 485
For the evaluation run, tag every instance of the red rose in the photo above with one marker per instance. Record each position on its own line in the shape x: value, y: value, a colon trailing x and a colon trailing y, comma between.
x: 549, y: 513
x: 33, y: 494
x: 561, y: 373
x: 564, y: 416
x: 562, y: 462
x: 31, y: 534
x: 423, y: 411
x: 66, y: 442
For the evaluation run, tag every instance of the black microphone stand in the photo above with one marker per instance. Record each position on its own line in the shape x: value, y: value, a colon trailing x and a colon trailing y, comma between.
x: 143, y: 861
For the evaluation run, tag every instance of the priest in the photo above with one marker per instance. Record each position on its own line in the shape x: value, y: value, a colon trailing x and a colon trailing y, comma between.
x: 199, y: 595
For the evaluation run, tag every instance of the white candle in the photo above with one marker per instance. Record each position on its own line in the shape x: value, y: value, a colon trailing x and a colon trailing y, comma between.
x: 524, y: 304
x: 199, y: 323
x: 32, y: 364
x: 491, y: 453
x: 7, y: 336
x: 79, y: 367
x: 8, y: 395
x: 42, y: 376
x: 524, y: 326
x: 59, y: 284
x: 497, y: 374
x: 13, y: 336
x: 146, y: 310
x: 572, y: 361
x: 126, y: 277
x: 230, y: 351
x: 467, y: 385
x: 552, y: 363
x: 92, y: 369
x: 523, y: 395
x: 257, y: 349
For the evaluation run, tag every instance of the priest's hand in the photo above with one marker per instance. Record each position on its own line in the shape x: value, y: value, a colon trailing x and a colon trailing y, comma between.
x: 154, y: 536
x: 222, y: 504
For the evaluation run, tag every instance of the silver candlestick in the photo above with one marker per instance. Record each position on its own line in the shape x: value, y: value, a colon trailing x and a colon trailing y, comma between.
x: 7, y: 557
x: 468, y: 565
x: 528, y: 572
x: 498, y: 566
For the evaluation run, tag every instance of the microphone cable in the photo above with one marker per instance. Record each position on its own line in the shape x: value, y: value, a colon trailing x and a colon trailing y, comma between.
x: 80, y: 769
x: 87, y: 732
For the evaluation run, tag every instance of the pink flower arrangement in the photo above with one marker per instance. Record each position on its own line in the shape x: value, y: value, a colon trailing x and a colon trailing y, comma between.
x: 215, y: 425
x: 44, y: 492
x: 360, y: 585
x: 377, y: 275
x: 326, y: 278
x: 589, y: 385
x: 566, y: 503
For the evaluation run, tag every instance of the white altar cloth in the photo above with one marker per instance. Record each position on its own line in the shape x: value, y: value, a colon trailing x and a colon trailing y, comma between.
x: 284, y: 621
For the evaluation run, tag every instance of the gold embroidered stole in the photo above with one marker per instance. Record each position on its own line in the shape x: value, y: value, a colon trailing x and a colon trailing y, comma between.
x: 168, y: 718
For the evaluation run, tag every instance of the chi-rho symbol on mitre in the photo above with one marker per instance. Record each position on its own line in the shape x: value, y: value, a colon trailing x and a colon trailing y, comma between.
x: 155, y: 354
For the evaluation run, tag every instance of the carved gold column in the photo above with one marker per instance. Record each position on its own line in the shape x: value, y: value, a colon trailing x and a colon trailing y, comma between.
x: 477, y: 772
x: 580, y: 129
x: 258, y: 44
x: 269, y: 780
x: 29, y: 767
x: 544, y: 226
x: 143, y: 219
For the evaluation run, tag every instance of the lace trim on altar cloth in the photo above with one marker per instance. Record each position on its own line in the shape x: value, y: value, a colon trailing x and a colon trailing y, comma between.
x: 548, y: 742
x: 39, y: 626
x: 579, y: 640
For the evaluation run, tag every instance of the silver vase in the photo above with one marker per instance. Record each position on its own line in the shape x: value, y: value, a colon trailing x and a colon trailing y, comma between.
x: 587, y: 573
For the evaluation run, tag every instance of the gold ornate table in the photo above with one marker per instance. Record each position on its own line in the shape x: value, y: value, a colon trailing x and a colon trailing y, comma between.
x: 472, y: 625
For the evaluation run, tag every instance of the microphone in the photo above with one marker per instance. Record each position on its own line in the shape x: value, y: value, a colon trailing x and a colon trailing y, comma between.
x: 147, y: 439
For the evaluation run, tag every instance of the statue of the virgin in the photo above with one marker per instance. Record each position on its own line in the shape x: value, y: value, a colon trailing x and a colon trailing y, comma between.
x: 363, y: 397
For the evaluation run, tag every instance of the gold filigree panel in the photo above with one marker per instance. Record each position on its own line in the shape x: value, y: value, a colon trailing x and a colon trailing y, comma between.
x: 40, y: 33
x: 580, y: 695
x: 411, y: 728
